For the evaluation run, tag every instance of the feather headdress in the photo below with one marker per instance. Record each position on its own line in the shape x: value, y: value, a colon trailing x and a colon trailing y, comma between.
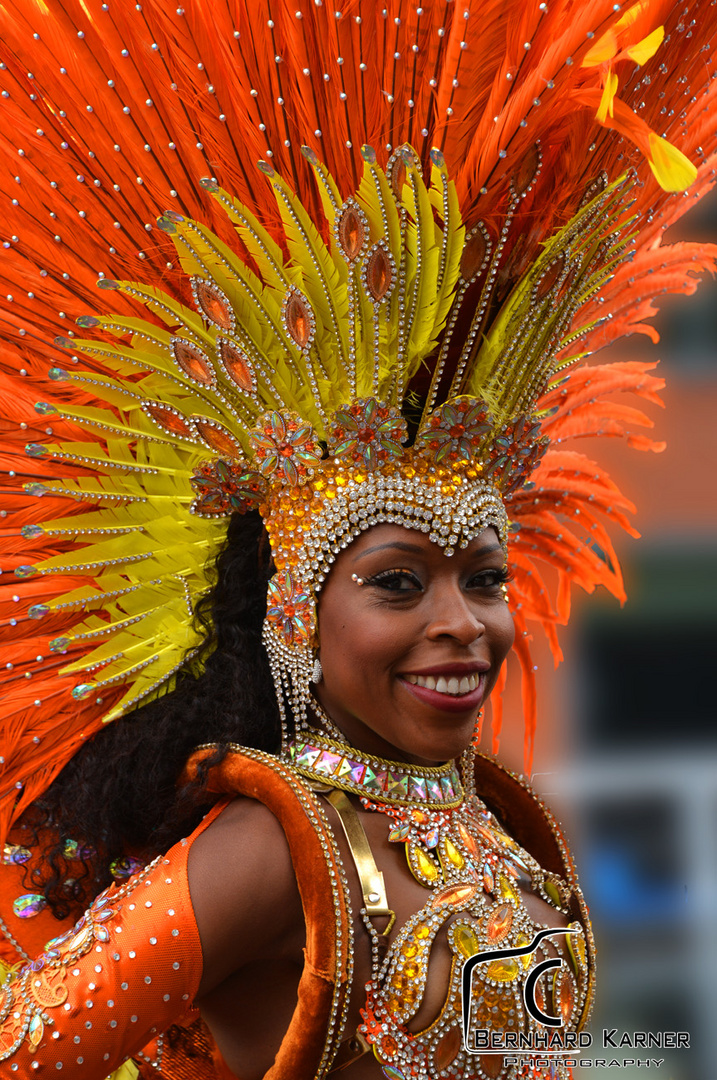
x: 455, y: 203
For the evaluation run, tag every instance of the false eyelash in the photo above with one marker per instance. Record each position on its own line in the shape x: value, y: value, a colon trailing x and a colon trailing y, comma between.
x: 385, y: 575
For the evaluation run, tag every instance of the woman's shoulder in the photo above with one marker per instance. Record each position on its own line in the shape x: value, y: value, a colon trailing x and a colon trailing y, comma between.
x: 266, y: 867
x: 243, y: 888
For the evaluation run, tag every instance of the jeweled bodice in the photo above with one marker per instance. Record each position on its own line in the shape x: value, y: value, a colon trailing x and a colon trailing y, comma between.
x: 477, y: 876
x: 476, y: 879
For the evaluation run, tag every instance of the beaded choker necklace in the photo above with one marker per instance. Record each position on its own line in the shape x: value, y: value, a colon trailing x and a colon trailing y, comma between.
x: 339, y: 765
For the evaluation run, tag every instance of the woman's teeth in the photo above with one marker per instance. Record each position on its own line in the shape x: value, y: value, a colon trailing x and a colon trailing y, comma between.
x: 452, y: 685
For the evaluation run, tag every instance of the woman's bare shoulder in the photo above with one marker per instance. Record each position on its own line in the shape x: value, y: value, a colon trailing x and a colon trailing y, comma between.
x: 243, y: 890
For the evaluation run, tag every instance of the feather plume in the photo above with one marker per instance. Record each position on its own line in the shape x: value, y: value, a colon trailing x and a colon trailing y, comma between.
x: 128, y: 153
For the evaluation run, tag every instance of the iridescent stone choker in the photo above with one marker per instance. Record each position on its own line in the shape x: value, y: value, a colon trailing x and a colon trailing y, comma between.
x: 338, y: 765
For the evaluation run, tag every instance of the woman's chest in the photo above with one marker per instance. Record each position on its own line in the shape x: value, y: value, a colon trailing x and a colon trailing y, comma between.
x: 481, y: 948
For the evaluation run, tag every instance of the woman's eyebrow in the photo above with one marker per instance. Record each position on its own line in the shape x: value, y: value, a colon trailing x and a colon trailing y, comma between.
x: 398, y: 545
x: 416, y: 549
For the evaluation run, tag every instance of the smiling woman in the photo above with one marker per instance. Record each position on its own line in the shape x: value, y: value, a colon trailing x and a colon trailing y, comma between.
x: 410, y: 644
x: 256, y: 523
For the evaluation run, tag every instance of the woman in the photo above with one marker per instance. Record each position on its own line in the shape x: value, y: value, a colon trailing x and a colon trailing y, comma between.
x: 376, y: 367
x: 398, y: 622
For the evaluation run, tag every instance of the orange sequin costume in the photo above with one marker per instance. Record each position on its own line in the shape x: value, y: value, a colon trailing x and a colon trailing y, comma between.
x: 308, y: 323
x: 110, y: 986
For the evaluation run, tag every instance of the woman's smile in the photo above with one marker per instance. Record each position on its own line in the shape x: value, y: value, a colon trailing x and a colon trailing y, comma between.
x: 448, y: 688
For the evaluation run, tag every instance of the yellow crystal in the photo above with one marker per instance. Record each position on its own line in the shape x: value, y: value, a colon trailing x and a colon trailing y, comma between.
x: 551, y: 890
x: 576, y: 948
x: 466, y: 941
x: 521, y: 940
x: 423, y: 862
x: 454, y: 854
x: 508, y: 890
x: 503, y: 970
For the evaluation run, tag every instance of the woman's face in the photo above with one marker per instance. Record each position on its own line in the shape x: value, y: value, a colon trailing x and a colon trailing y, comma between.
x: 410, y: 656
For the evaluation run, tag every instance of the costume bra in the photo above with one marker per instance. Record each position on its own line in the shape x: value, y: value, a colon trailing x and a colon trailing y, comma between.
x: 109, y: 987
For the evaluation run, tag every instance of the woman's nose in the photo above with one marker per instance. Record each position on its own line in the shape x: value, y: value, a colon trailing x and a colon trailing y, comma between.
x: 453, y: 616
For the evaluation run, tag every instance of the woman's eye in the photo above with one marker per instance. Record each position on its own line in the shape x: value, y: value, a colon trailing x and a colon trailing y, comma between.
x: 488, y: 579
x: 396, y: 581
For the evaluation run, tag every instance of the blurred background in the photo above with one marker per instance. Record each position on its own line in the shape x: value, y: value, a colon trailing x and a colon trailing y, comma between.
x: 626, y: 751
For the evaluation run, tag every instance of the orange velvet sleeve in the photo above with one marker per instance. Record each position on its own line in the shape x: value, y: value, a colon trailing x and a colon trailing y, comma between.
x: 98, y: 994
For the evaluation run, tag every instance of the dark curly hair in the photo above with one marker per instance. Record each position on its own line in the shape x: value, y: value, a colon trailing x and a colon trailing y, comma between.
x: 120, y: 793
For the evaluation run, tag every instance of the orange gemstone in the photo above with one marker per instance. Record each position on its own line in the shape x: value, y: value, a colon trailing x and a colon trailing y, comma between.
x: 566, y: 994
x: 298, y: 319
x: 168, y: 419
x: 487, y: 835
x: 526, y: 171
x: 454, y: 894
x: 499, y: 923
x: 467, y: 839
x: 379, y: 274
x: 351, y: 233
x: 388, y: 1045
x: 193, y: 362
x: 447, y: 1048
x: 398, y: 177
x: 214, y: 303
x: 473, y: 257
x: 491, y: 1064
x: 237, y: 367
x: 549, y: 278
x: 218, y: 438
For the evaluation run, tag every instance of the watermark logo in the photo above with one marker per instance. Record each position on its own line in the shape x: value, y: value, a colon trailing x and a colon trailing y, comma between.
x: 480, y: 1041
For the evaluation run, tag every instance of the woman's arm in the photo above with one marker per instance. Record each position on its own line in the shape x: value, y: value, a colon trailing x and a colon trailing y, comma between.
x: 219, y: 903
x: 100, y: 992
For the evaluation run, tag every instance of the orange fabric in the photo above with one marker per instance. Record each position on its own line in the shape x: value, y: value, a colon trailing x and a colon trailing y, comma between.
x: 156, y: 903
x: 128, y: 970
x: 134, y: 926
x: 325, y: 970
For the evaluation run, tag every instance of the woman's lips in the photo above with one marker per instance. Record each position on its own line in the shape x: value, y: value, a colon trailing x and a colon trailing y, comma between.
x: 445, y: 692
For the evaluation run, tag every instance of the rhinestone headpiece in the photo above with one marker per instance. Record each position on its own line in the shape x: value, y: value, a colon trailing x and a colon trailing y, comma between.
x: 378, y: 324
x: 368, y: 378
